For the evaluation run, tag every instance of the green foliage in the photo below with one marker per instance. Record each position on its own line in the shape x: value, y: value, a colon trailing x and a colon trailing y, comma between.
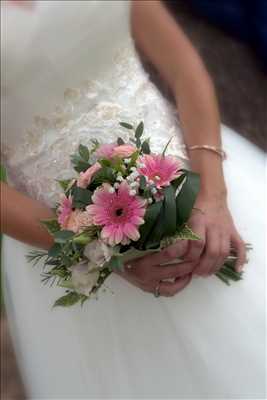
x: 84, y: 153
x: 79, y: 164
x: 105, y: 174
x: 63, y: 236
x: 81, y: 197
x: 165, y: 148
x: 169, y: 207
x: 3, y: 176
x: 68, y: 300
x: 186, y: 198
x: 184, y: 233
x: 139, y: 130
x: 145, y: 147
x: 65, y: 184
x: 51, y: 225
x: 151, y: 215
x: 126, y: 125
x: 142, y: 182
x: 55, y: 250
x: 116, y: 263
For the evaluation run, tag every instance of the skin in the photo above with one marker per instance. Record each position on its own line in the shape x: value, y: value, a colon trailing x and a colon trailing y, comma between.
x: 175, y: 58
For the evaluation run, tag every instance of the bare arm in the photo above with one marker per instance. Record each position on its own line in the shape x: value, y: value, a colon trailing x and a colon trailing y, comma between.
x: 167, y: 47
x: 165, y: 44
x: 20, y: 218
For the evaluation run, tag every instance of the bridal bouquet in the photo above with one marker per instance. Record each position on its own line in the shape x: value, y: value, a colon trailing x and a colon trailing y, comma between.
x: 126, y: 202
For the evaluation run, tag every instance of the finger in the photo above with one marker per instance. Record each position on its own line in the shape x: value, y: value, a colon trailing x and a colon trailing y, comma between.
x: 209, y: 259
x: 171, y: 288
x: 240, y: 247
x: 224, y: 253
x: 168, y: 254
x: 173, y: 271
x: 196, y: 247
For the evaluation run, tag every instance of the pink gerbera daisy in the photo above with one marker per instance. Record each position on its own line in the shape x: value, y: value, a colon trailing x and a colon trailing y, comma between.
x: 159, y: 169
x: 119, y: 213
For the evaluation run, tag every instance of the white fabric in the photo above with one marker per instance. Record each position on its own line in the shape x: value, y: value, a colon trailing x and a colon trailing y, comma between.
x: 207, y: 342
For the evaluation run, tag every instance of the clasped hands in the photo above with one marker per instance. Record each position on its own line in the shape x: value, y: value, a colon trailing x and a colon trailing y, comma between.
x: 204, y: 257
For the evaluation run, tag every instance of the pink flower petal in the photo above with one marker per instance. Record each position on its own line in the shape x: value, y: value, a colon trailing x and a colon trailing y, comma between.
x: 131, y: 231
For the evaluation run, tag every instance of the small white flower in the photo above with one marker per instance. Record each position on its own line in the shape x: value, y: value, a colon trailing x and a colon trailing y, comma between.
x: 82, y: 279
x: 154, y: 190
x: 127, y: 160
x: 150, y: 200
x: 135, y: 174
x: 116, y: 185
x: 98, y: 252
x: 134, y: 184
x: 111, y: 190
x: 132, y: 192
x: 133, y: 169
x: 141, y: 165
x: 120, y: 178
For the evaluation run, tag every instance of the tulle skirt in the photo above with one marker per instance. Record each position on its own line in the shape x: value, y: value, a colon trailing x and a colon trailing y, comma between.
x: 206, y: 342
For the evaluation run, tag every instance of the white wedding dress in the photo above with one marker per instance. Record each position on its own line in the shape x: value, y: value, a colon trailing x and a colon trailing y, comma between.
x: 70, y: 74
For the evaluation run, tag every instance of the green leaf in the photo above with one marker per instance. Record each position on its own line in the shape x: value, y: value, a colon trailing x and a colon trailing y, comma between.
x: 186, y: 197
x: 158, y: 231
x: 64, y: 183
x: 165, y: 148
x: 81, y: 197
x: 63, y: 236
x: 185, y: 233
x: 134, y: 157
x: 68, y: 300
x: 139, y: 130
x: 145, y: 147
x: 55, y: 250
x: 178, y: 181
x: 120, y: 141
x: 142, y: 182
x: 126, y: 125
x: 51, y: 225
x: 116, y: 263
x: 2, y: 173
x: 150, y: 218
x: 84, y: 238
x: 106, y: 174
x: 79, y: 164
x: 169, y: 207
x: 84, y: 152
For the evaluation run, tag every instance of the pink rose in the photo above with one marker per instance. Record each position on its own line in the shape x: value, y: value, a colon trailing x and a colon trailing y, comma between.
x: 111, y: 150
x: 77, y: 221
x: 123, y: 151
x: 85, y: 177
x: 105, y: 151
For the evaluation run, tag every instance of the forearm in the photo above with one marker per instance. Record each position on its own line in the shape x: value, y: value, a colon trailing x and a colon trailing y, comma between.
x: 20, y: 218
x: 164, y: 43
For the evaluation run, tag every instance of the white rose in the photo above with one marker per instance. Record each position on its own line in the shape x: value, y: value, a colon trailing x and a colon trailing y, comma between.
x: 84, y: 277
x: 98, y: 252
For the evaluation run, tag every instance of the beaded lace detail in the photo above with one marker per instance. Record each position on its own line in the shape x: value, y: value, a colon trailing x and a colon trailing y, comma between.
x: 94, y: 110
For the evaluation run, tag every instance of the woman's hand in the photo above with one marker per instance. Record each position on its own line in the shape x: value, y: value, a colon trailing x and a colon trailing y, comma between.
x: 147, y: 273
x: 212, y: 221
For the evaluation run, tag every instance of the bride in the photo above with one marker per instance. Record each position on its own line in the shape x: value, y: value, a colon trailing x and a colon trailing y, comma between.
x: 71, y: 73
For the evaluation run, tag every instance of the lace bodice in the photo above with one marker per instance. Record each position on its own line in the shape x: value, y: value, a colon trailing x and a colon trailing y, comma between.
x: 123, y: 92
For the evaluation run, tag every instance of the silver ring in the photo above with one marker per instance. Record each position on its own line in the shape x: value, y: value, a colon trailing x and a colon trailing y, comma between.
x: 157, y: 292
